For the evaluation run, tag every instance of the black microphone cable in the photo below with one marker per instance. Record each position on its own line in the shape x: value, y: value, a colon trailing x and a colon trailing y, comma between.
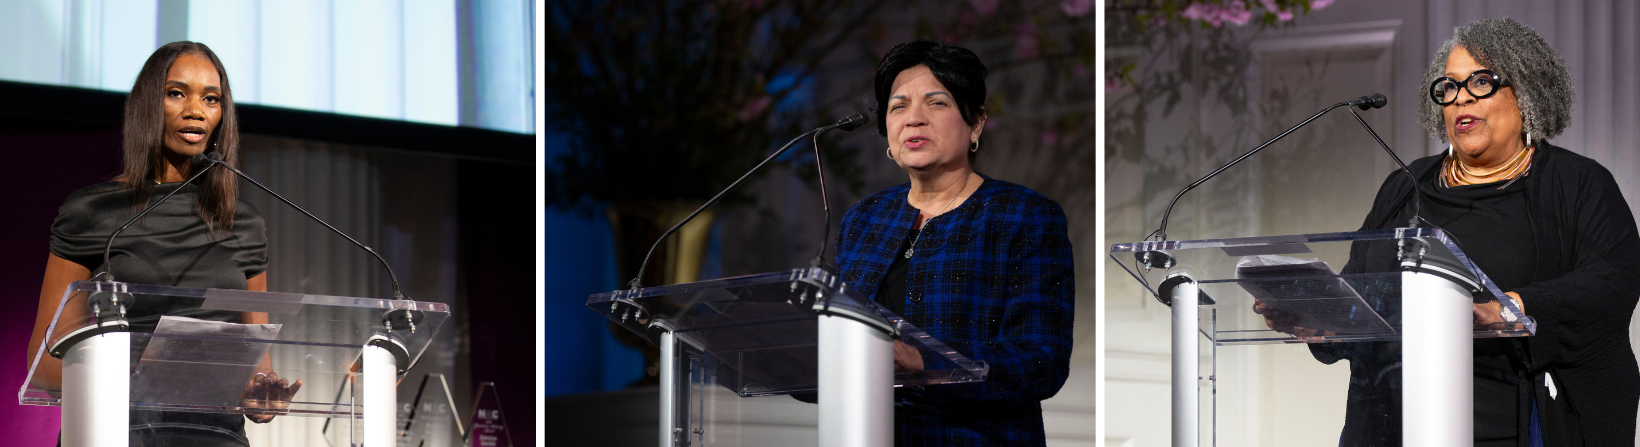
x: 848, y: 124
x: 397, y: 293
x: 1159, y: 259
x: 107, y: 275
x: 851, y: 122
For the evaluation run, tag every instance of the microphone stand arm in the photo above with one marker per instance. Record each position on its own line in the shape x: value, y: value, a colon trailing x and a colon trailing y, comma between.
x: 397, y: 294
x: 108, y: 248
x: 1161, y: 233
x: 637, y: 282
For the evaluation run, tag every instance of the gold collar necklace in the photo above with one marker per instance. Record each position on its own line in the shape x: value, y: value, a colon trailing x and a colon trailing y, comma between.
x: 1456, y: 173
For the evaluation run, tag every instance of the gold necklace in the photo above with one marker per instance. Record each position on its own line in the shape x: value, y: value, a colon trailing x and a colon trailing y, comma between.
x: 1456, y: 173
x: 943, y: 209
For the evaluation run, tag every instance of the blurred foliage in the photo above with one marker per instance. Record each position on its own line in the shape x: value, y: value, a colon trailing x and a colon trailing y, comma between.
x: 672, y: 100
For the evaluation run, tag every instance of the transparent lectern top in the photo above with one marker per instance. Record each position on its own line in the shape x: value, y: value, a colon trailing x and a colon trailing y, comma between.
x: 192, y: 351
x: 760, y: 330
x: 1303, y: 280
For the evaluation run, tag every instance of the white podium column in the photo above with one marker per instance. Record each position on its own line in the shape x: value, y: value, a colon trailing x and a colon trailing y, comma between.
x: 381, y: 399
x: 97, y: 391
x: 1186, y: 364
x: 1438, y: 351
x: 856, y: 384
x: 670, y: 430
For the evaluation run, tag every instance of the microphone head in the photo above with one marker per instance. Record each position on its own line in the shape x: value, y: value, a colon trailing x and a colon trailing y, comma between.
x: 1377, y: 100
x: 204, y: 160
x: 852, y: 121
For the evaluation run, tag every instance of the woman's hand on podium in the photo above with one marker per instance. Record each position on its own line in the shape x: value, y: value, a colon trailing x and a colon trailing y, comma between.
x: 266, y: 391
x: 906, y: 358
x: 1489, y: 313
x: 1284, y: 322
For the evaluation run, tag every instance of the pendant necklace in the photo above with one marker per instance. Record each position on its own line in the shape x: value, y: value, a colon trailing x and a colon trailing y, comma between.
x: 943, y: 209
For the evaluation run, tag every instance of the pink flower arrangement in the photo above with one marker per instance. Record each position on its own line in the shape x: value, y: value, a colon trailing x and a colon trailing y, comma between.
x: 1234, y: 12
x: 984, y: 7
x: 1076, y: 8
x: 753, y: 108
x: 1237, y: 12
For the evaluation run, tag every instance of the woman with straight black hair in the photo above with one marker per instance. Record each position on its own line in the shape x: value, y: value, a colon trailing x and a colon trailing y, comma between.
x: 202, y: 237
x: 981, y: 264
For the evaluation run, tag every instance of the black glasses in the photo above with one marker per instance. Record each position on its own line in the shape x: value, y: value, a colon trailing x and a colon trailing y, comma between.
x: 1481, y: 84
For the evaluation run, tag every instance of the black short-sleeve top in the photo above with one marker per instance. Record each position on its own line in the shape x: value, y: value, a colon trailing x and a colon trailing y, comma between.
x: 171, y: 246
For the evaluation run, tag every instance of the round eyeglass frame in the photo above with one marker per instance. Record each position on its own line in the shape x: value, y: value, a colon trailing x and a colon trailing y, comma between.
x: 1498, y: 83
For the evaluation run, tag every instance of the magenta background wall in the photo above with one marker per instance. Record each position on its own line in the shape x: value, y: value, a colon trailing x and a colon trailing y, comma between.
x: 46, y: 162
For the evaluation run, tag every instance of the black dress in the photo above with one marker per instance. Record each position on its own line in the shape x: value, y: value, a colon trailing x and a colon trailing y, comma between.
x: 1564, y: 239
x: 171, y: 246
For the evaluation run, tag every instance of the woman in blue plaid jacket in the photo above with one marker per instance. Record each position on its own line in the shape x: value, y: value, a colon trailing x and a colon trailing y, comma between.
x: 981, y: 264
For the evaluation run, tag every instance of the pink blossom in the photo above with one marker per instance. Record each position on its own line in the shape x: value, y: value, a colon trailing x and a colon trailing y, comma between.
x: 984, y: 7
x: 1050, y: 138
x: 1316, y: 5
x: 1025, y: 45
x: 1114, y: 84
x: 754, y: 108
x: 1284, y: 15
x: 1076, y: 8
x: 1201, y: 11
x: 1236, y: 13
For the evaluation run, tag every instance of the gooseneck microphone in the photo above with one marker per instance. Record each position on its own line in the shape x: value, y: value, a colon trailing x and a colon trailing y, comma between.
x: 848, y: 123
x: 201, y: 163
x: 398, y: 294
x: 1378, y: 100
x: 1158, y: 259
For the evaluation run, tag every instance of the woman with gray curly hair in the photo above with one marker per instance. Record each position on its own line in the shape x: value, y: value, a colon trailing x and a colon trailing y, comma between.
x: 1547, y: 225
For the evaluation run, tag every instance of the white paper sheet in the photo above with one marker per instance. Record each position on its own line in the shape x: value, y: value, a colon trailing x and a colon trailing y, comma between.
x: 199, y: 362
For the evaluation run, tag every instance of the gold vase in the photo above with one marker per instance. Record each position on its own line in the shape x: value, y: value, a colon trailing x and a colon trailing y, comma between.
x: 635, y: 226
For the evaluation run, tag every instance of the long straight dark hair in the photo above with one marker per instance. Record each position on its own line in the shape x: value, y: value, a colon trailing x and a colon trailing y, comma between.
x: 144, y: 134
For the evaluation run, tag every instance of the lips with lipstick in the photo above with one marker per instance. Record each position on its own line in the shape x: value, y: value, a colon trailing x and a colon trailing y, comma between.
x: 1465, y: 122
x: 192, y: 134
x: 915, y: 141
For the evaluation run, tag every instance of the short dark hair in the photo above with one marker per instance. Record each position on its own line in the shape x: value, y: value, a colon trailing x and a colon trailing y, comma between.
x: 957, y: 68
x: 144, y: 135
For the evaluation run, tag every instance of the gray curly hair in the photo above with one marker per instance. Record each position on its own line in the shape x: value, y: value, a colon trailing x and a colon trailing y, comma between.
x: 1543, y: 86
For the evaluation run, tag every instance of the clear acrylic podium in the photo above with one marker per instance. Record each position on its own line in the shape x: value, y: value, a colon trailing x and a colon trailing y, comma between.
x: 796, y: 331
x: 1213, y: 286
x: 118, y: 353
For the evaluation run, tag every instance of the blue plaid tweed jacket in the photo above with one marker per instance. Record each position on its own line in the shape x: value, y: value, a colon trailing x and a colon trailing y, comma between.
x: 993, y: 279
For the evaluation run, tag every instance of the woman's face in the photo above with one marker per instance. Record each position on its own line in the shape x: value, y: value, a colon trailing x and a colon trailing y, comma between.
x: 193, y: 104
x: 1486, y: 130
x: 925, y: 128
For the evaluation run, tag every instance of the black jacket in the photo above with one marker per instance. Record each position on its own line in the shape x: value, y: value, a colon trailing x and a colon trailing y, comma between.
x: 1582, y: 295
